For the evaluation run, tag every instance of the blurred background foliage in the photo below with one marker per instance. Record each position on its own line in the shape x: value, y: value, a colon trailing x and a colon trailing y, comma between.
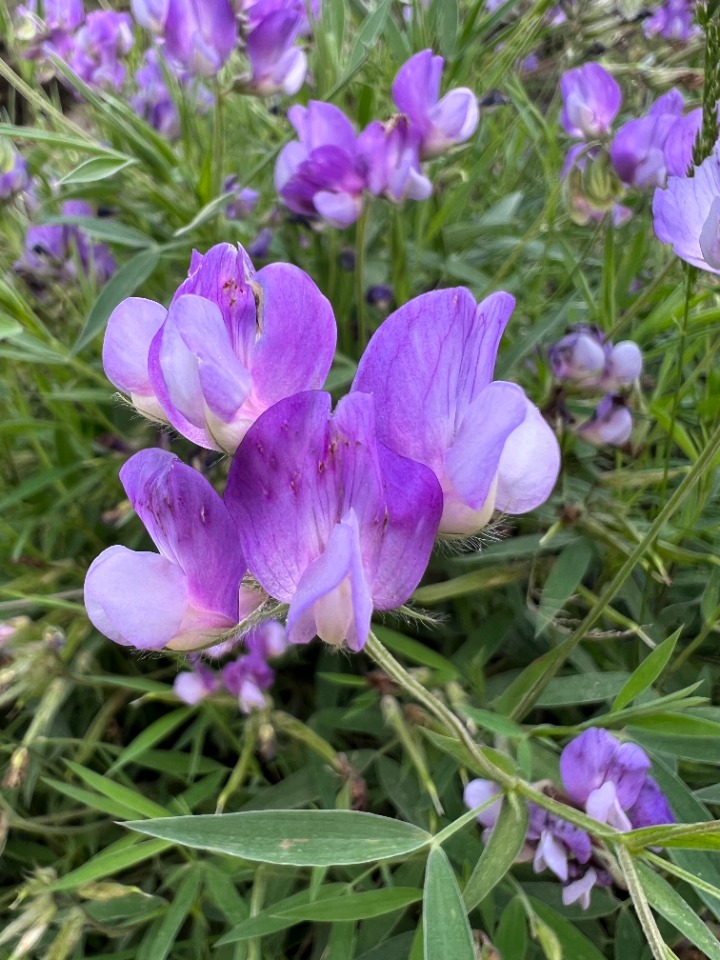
x: 529, y: 636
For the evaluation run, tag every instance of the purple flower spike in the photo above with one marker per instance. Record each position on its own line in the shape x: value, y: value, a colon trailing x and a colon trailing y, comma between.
x: 277, y: 65
x: 429, y: 367
x: 611, y: 423
x: 189, y: 592
x: 687, y: 214
x: 333, y: 523
x: 591, y: 100
x: 321, y: 173
x: 99, y: 44
x: 440, y: 124
x: 14, y: 177
x: 604, y: 776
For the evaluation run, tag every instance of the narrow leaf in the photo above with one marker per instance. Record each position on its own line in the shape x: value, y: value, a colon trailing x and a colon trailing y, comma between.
x: 446, y: 930
x: 505, y: 843
x: 670, y: 905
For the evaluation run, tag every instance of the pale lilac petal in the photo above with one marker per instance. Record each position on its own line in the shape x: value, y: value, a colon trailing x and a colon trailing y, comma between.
x: 333, y: 599
x: 200, y: 35
x: 194, y: 685
x: 591, y: 100
x: 551, y: 854
x: 416, y: 87
x: 339, y: 209
x: 175, y: 379
x: 454, y: 120
x: 288, y: 161
x: 136, y: 599
x: 478, y: 792
x: 579, y: 890
x: 529, y: 465
x: 625, y: 365
x: 628, y: 771
x: 603, y: 805
x: 130, y: 331
x: 322, y: 124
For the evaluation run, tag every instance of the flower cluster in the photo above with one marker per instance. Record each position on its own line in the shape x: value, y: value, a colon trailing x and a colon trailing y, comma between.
x: 328, y: 169
x: 673, y: 20
x: 641, y: 155
x: 607, y: 779
x: 246, y: 677
x: 57, y: 251
x: 585, y: 359
x: 333, y: 514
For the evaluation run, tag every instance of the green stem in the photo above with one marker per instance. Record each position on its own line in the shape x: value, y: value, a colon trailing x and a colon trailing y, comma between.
x: 360, y: 244
x: 558, y: 656
x: 642, y: 907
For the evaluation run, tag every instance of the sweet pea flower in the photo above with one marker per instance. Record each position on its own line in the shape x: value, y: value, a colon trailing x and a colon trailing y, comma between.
x: 580, y: 356
x: 14, y: 176
x: 232, y: 343
x: 321, y: 172
x: 258, y: 10
x: 638, y: 150
x: 54, y: 251
x: 611, y: 423
x: 98, y: 45
x: 200, y: 36
x: 591, y: 100
x: 430, y: 367
x: 332, y: 522
x: 604, y: 776
x: 674, y: 20
x: 191, y: 591
x: 687, y: 214
x: 390, y: 158
x: 276, y: 64
x: 439, y: 124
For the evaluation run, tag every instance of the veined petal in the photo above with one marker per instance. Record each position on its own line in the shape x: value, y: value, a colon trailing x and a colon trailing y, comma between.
x: 136, y: 599
x: 333, y: 599
x: 191, y: 527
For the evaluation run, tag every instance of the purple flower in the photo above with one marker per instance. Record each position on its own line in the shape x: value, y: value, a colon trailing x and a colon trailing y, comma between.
x: 651, y: 807
x: 638, y: 150
x: 247, y: 677
x: 260, y: 246
x: 99, y: 43
x: 580, y: 356
x: 604, y: 776
x: 584, y: 357
x: 153, y: 101
x: 430, y: 367
x: 478, y: 792
x: 200, y: 36
x: 674, y: 20
x: 391, y: 161
x: 332, y: 522
x: 65, y: 15
x: 194, y: 685
x: 53, y: 251
x: 557, y: 842
x: 611, y: 423
x: 191, y: 591
x: 257, y: 11
x: 321, y: 173
x: 14, y: 176
x: 47, y: 26
x: 591, y: 100
x: 232, y: 343
x: 276, y: 64
x: 244, y: 202
x: 687, y: 214
x: 439, y: 124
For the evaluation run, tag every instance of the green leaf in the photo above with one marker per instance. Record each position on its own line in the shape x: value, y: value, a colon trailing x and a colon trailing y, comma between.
x: 446, y: 25
x: 494, y: 722
x: 159, y: 941
x: 446, y: 930
x: 122, y: 284
x: 670, y: 905
x: 151, y: 736
x: 511, y: 936
x: 566, y: 575
x: 302, y: 838
x: 357, y: 906
x: 505, y: 843
x: 574, y: 945
x: 97, y: 168
x: 9, y: 328
x: 104, y: 229
x: 368, y: 35
x: 581, y: 688
x: 124, y: 796
x: 92, y: 800
x: 695, y: 836
x: 274, y: 918
x: 417, y: 652
x: 120, y: 856
x: 647, y: 673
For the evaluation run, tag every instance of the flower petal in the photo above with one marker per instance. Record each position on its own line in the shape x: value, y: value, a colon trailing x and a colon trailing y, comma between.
x: 129, y: 333
x: 529, y: 464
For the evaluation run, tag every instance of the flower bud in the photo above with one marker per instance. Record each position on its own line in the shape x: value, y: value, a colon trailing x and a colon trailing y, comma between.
x: 611, y: 423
